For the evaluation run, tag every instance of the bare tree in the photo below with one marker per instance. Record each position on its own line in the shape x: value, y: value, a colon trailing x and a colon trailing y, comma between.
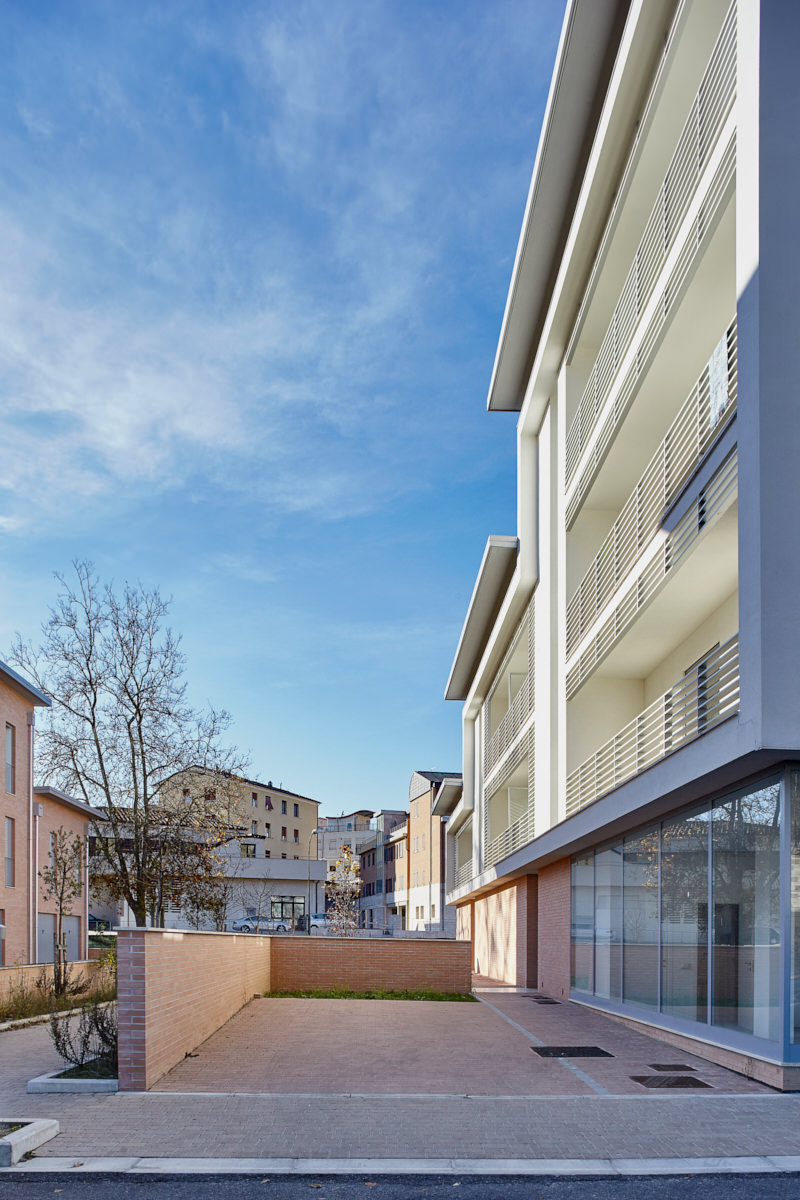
x: 122, y: 735
x: 63, y: 884
x: 343, y: 889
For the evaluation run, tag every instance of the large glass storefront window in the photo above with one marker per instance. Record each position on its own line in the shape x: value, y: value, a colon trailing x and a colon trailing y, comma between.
x: 684, y: 917
x: 640, y: 920
x: 745, y: 853
x: 794, y: 973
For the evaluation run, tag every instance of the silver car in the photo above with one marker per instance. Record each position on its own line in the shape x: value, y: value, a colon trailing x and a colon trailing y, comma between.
x: 260, y: 925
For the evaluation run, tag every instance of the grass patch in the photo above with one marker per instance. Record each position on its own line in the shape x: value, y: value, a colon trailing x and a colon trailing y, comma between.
x: 371, y: 994
x: 35, y: 997
x: 5, y: 1128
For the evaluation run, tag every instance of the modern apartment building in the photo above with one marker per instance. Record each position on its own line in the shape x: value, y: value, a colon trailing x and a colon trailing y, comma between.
x: 628, y: 834
x: 377, y: 858
x: 350, y: 829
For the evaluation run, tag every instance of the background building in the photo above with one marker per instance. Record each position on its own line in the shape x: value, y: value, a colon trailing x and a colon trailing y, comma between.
x: 629, y: 829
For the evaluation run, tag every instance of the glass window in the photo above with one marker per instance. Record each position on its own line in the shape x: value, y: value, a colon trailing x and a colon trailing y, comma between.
x: 640, y: 919
x: 9, y: 852
x: 297, y: 810
x: 745, y: 845
x: 795, y: 893
x: 10, y: 783
x: 684, y: 916
x: 247, y: 850
x: 583, y: 923
x: 608, y: 922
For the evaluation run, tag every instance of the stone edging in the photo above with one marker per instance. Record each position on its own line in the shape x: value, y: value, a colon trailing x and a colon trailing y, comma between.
x: 34, y: 1132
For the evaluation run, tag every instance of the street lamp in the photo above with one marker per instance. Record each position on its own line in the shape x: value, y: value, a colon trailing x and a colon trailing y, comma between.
x: 314, y: 832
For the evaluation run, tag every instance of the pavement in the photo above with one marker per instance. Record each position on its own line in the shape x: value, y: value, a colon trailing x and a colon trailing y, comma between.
x: 342, y: 1086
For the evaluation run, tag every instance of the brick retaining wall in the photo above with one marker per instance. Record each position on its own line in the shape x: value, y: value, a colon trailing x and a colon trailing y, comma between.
x: 175, y: 988
x: 14, y: 977
x: 362, y: 963
x: 554, y: 928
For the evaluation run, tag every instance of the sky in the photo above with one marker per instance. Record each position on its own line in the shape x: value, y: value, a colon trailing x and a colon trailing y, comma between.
x: 253, y: 264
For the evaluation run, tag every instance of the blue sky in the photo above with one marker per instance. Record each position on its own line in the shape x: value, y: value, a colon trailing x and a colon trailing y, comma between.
x: 253, y: 264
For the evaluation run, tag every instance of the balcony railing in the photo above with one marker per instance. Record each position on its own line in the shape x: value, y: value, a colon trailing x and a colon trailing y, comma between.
x: 511, y: 839
x: 713, y: 501
x: 513, y: 721
x: 702, y: 417
x: 707, y: 694
x: 463, y: 875
x: 695, y: 145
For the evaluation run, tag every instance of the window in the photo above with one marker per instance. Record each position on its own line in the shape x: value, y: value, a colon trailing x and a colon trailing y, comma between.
x: 255, y: 799
x: 247, y: 850
x: 2, y: 940
x: 52, y: 851
x: 296, y: 856
x: 433, y: 912
x: 9, y: 848
x: 283, y: 807
x: 423, y: 877
x: 283, y: 856
x: 267, y: 854
x: 297, y: 835
x: 297, y: 810
x: 254, y: 828
x: 268, y: 803
x: 10, y: 747
x: 187, y: 796
x: 268, y: 830
x: 379, y: 886
x: 283, y: 834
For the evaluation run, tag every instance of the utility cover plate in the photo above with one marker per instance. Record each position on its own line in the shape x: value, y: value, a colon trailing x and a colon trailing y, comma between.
x: 573, y: 1052
x: 670, y: 1081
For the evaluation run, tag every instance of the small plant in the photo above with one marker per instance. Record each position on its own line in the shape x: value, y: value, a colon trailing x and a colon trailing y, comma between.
x: 343, y: 889
x: 87, y: 1042
x: 337, y: 993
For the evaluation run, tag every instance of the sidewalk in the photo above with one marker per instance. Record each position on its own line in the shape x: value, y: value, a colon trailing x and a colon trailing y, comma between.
x: 291, y: 1084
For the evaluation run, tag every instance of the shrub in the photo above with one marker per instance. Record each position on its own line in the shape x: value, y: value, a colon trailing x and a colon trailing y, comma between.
x: 88, y: 1041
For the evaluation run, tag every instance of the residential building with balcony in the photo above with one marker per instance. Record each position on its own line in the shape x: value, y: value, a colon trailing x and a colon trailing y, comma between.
x: 349, y: 829
x: 628, y: 831
x: 377, y: 856
x: 423, y: 900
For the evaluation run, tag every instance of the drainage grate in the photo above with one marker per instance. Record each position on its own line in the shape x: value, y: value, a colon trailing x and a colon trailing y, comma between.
x: 672, y: 1068
x: 544, y: 1000
x: 670, y: 1081
x: 572, y: 1052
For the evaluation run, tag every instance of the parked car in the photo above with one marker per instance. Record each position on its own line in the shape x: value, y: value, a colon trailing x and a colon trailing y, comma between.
x: 319, y: 924
x: 259, y: 925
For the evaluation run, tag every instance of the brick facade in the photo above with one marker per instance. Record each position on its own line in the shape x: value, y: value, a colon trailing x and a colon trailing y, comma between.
x: 505, y: 932
x: 358, y: 964
x: 554, y: 928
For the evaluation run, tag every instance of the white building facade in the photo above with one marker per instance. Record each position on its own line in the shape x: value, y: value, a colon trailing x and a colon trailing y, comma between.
x: 628, y: 833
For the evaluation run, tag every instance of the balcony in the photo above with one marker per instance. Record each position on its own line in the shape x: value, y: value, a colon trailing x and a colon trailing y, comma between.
x: 713, y: 518
x: 511, y: 839
x: 707, y: 695
x: 511, y: 724
x: 683, y: 178
x: 462, y: 875
x: 705, y: 413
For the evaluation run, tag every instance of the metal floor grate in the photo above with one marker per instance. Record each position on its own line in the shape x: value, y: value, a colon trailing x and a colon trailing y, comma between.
x: 671, y: 1068
x: 573, y: 1052
x: 670, y: 1081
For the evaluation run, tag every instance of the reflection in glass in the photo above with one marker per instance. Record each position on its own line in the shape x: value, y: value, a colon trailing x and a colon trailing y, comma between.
x: 640, y: 920
x: 583, y: 923
x: 745, y: 846
x: 795, y: 902
x: 684, y: 916
x: 608, y: 922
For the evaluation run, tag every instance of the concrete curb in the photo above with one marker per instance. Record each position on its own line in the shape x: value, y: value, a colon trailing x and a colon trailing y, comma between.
x: 51, y: 1083
x: 766, y: 1165
x: 34, y: 1132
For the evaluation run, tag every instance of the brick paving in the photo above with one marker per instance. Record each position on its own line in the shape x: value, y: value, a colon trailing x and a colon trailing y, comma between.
x: 480, y: 1092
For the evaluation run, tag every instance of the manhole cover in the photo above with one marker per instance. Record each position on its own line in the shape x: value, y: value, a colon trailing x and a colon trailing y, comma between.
x: 573, y: 1052
x: 670, y: 1081
x: 672, y: 1068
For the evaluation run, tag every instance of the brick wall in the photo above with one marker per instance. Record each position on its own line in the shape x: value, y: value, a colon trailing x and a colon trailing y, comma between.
x: 554, y: 928
x: 505, y: 931
x: 13, y: 977
x: 175, y: 988
x: 361, y: 963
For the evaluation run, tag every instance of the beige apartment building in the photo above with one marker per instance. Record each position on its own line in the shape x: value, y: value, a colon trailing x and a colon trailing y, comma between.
x: 628, y: 833
x: 419, y: 869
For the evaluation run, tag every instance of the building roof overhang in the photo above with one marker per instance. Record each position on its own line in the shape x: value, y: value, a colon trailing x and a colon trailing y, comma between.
x: 24, y: 687
x: 51, y: 793
x: 447, y: 796
x: 589, y: 40
x: 494, y: 576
